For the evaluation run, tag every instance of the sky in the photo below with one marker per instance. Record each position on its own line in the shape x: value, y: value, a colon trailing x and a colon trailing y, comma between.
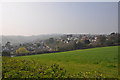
x: 35, y: 18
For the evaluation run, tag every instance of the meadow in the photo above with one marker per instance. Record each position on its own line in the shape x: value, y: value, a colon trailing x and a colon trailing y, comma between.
x: 103, y: 60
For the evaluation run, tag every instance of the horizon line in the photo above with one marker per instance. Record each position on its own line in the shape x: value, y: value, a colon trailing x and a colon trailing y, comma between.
x: 59, y: 34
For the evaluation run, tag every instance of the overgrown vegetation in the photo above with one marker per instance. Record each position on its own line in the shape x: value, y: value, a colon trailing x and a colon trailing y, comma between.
x: 21, y: 68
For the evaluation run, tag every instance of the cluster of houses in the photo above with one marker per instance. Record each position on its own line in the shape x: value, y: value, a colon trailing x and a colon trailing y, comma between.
x: 41, y: 45
x: 68, y: 38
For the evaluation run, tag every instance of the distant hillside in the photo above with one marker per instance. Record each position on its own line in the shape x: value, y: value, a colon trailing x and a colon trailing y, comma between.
x: 24, y: 39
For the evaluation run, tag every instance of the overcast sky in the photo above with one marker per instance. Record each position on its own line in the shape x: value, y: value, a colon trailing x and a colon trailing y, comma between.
x: 34, y: 18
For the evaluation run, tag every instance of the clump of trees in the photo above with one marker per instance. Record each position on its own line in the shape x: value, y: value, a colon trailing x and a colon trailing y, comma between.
x: 4, y: 53
x: 22, y: 50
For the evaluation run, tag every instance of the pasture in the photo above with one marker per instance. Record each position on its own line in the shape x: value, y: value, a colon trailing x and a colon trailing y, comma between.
x: 103, y: 60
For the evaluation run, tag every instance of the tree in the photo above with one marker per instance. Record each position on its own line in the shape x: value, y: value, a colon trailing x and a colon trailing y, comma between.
x: 5, y: 53
x: 113, y: 39
x: 101, y: 40
x: 51, y: 40
x: 8, y: 44
x: 22, y: 50
x: 86, y: 41
x: 79, y: 45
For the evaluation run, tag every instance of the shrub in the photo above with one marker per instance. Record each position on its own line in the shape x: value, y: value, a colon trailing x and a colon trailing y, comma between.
x: 22, y: 50
x: 20, y: 68
x: 15, y: 68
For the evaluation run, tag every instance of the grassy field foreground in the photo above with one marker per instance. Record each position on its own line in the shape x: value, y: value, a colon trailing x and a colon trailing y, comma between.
x: 103, y: 60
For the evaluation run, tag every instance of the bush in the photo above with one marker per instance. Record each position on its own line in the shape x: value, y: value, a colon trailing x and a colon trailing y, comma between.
x: 14, y: 68
x: 22, y: 50
x: 20, y: 68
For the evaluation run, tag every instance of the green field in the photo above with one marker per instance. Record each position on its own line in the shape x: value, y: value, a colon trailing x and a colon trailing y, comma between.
x: 103, y: 60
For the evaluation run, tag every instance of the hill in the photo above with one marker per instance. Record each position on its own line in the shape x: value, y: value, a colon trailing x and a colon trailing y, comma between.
x: 25, y: 39
x: 103, y: 60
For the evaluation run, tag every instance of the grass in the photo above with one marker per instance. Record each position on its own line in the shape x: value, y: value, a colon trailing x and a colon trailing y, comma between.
x: 0, y: 67
x: 103, y: 60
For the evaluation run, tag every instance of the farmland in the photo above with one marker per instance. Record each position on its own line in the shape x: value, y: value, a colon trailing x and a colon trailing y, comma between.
x: 103, y: 60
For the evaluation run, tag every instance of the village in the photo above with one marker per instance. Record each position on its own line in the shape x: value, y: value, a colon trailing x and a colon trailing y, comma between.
x: 66, y: 42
